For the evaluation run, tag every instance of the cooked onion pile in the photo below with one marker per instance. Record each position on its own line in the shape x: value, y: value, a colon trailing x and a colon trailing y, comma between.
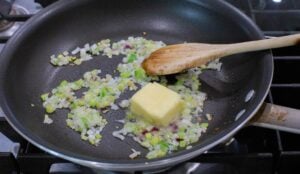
x: 87, y: 113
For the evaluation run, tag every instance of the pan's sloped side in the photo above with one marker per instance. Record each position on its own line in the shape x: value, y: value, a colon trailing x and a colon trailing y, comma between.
x: 25, y: 71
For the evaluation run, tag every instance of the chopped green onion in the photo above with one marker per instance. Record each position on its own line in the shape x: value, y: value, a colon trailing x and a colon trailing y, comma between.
x: 125, y: 74
x: 139, y: 74
x: 44, y: 96
x: 154, y: 140
x: 148, y: 135
x: 204, y: 125
x: 131, y: 57
x: 182, y: 144
x: 63, y: 83
x: 49, y: 109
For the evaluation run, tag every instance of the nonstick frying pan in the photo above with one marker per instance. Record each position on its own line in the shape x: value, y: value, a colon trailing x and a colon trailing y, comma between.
x: 25, y: 72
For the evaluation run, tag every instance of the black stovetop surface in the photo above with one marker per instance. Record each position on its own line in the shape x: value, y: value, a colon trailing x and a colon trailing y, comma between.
x: 252, y: 150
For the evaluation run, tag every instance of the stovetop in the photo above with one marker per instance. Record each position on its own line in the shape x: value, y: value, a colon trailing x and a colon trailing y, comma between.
x: 251, y: 150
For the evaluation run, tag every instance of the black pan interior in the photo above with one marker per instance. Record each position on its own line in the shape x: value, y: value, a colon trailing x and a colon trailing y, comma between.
x: 27, y: 72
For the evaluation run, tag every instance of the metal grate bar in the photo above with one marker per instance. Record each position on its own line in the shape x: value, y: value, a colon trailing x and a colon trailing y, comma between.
x: 286, y: 58
x: 279, y: 33
x: 15, y: 18
x: 285, y: 85
x: 276, y: 11
x: 4, y: 39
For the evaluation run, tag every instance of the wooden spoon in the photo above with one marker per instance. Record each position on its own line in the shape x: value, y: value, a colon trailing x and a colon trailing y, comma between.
x: 176, y: 58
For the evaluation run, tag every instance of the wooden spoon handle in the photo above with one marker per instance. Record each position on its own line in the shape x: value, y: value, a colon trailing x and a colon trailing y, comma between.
x: 257, y: 45
x: 176, y: 58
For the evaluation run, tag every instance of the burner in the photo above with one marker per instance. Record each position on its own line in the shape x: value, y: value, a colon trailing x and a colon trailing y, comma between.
x: 7, y: 28
x: 5, y: 24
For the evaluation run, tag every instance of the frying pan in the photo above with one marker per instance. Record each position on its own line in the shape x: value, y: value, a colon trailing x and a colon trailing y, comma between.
x: 25, y: 72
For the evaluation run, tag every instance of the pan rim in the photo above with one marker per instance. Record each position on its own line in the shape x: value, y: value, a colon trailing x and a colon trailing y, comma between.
x: 135, y: 164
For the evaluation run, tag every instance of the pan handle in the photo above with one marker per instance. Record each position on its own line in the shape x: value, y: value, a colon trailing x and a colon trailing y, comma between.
x: 277, y: 117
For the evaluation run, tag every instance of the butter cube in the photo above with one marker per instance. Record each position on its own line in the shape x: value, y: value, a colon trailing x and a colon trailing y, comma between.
x: 156, y: 104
